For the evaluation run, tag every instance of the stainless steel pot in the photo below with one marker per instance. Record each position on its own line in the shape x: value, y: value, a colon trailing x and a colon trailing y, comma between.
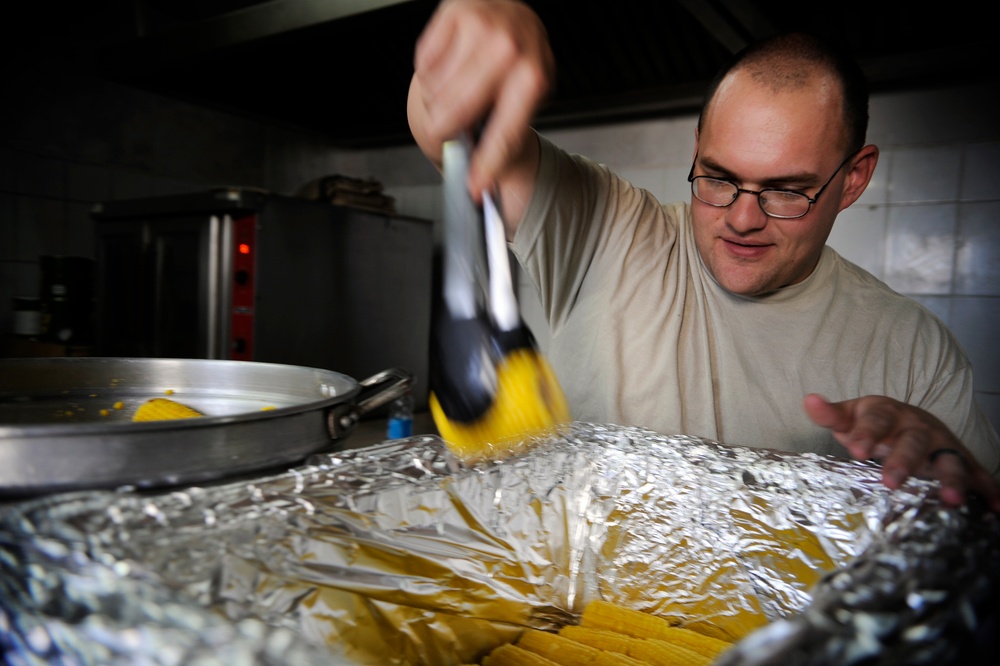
x: 66, y: 423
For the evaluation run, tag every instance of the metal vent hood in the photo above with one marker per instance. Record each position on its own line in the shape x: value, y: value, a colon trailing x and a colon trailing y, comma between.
x: 342, y: 67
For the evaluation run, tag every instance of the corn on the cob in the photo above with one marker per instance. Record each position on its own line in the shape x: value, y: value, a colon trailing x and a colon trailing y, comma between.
x: 646, y: 651
x: 567, y: 652
x: 601, y: 614
x: 615, y: 659
x: 512, y: 655
x: 558, y: 648
x: 707, y: 646
x: 656, y: 651
x: 601, y: 639
x: 528, y: 402
x: 612, y: 646
x: 612, y: 635
x: 161, y: 409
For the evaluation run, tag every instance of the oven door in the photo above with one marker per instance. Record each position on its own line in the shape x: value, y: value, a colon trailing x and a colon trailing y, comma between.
x: 160, y: 286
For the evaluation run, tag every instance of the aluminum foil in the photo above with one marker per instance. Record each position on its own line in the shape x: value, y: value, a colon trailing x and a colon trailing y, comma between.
x: 402, y: 554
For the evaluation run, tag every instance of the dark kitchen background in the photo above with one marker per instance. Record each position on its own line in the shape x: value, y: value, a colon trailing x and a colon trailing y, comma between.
x: 104, y: 101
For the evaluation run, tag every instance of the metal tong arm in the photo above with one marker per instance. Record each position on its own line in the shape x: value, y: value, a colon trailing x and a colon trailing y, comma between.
x: 463, y: 264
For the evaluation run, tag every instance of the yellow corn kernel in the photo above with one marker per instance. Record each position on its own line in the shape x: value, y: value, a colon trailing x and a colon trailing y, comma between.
x: 557, y: 648
x: 511, y: 655
x: 119, y: 405
x: 161, y: 409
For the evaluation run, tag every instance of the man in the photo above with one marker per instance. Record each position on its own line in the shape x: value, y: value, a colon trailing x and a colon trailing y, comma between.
x: 726, y: 317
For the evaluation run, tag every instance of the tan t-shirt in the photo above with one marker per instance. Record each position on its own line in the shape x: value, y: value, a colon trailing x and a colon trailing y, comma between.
x: 643, y: 335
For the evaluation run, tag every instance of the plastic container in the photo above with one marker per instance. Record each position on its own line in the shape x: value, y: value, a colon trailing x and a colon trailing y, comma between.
x: 401, y: 417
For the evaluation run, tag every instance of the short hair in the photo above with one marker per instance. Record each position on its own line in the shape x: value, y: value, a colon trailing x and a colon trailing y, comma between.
x: 784, y: 61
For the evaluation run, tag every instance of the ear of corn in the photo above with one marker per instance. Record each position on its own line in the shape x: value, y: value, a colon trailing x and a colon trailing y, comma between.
x: 615, y: 659
x: 528, y: 402
x: 643, y: 650
x: 601, y: 614
x: 161, y: 409
x: 558, y: 648
x: 612, y: 635
x: 512, y: 655
x: 655, y: 651
x: 602, y: 639
x: 707, y: 646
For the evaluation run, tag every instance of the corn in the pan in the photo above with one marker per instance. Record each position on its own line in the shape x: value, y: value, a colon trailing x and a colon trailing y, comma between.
x: 650, y: 651
x: 568, y: 652
x: 600, y: 614
x: 512, y: 655
x: 612, y: 635
x: 161, y: 409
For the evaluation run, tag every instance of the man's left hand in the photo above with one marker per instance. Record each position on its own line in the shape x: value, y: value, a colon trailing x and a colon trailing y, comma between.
x: 909, y: 441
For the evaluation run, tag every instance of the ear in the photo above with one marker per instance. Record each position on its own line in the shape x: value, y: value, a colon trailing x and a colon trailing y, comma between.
x: 859, y: 174
x: 696, y: 137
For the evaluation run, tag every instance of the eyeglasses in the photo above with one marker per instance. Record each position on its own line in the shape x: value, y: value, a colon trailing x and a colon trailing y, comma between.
x: 784, y: 204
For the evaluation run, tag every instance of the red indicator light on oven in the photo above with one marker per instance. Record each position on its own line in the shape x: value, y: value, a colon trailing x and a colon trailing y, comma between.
x: 244, y: 248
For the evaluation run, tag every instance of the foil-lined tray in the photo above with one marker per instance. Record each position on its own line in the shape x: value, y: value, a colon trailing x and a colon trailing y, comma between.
x: 401, y: 554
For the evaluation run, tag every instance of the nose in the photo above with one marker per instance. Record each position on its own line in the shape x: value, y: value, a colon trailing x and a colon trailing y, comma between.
x: 745, y: 214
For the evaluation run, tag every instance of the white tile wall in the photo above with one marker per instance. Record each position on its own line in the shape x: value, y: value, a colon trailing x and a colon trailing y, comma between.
x: 977, y: 257
x: 925, y: 174
x: 920, y: 248
x: 981, y: 171
x: 975, y: 321
x: 860, y: 235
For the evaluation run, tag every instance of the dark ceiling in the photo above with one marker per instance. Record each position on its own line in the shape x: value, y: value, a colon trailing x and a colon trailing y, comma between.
x: 342, y: 67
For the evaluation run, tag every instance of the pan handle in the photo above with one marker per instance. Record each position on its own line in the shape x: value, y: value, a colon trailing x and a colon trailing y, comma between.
x: 378, y: 390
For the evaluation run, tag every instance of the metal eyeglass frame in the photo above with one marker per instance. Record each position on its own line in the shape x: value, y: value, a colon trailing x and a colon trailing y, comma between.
x: 739, y: 190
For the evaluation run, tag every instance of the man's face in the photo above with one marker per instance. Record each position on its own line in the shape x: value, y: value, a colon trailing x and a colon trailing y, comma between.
x: 761, y: 139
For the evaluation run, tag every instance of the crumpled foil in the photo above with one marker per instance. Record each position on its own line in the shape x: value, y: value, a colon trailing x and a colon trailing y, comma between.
x: 401, y: 554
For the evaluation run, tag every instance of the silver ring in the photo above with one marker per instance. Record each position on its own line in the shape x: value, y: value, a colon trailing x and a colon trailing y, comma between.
x: 937, y: 453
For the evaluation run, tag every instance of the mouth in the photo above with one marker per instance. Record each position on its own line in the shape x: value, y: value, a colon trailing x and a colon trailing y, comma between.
x: 745, y: 249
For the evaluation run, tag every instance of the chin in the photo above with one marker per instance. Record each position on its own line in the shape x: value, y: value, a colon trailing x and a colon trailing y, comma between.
x: 745, y: 285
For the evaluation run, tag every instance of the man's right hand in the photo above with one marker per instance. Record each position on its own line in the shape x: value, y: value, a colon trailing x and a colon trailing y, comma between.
x: 482, y: 62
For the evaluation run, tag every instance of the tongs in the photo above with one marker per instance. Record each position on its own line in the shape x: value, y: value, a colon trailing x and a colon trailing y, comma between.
x: 491, y: 388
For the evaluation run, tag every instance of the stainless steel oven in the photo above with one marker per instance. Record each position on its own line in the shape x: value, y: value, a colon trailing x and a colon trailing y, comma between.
x: 248, y: 275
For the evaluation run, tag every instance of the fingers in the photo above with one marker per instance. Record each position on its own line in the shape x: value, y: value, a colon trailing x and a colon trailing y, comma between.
x: 857, y: 424
x: 480, y: 63
x: 504, y: 134
x: 959, y: 475
x: 910, y: 442
x: 950, y: 470
x: 835, y: 416
x: 908, y: 452
x: 433, y: 44
x: 876, y: 421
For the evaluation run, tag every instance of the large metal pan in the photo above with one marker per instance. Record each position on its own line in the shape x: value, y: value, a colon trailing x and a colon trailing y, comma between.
x: 66, y: 423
